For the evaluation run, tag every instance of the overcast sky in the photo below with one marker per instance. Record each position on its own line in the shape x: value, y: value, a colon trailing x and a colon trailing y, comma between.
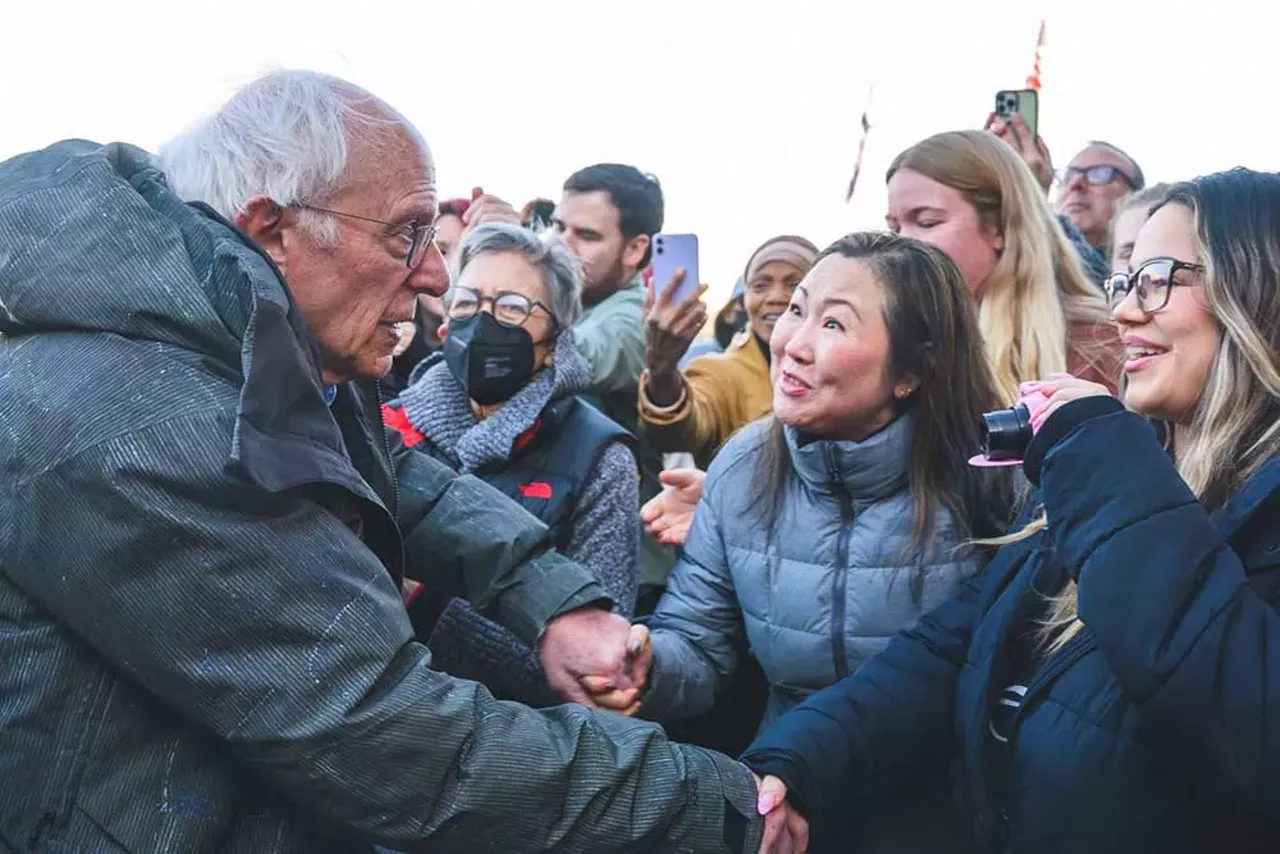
x: 747, y: 111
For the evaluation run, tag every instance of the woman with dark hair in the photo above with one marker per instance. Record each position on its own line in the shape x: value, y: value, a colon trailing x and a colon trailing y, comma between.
x: 1111, y: 681
x: 831, y: 525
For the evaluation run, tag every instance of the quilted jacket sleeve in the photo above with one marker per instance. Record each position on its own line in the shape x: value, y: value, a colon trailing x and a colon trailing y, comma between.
x: 697, y: 630
x: 262, y: 620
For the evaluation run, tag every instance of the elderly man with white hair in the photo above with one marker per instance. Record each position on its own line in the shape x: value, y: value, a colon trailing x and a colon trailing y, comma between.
x: 204, y: 527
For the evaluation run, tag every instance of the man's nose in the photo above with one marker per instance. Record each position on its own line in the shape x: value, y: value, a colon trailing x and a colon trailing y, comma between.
x: 431, y: 276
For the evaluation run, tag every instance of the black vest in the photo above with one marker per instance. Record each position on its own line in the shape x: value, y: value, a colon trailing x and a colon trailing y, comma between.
x: 548, y: 471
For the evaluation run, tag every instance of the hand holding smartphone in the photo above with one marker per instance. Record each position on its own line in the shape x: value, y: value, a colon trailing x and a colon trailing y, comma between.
x: 1016, y: 120
x: 672, y: 252
x: 1024, y: 102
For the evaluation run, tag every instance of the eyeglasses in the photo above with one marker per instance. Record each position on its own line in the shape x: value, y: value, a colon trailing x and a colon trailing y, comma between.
x: 420, y: 235
x: 509, y: 308
x: 1096, y: 176
x: 1153, y: 282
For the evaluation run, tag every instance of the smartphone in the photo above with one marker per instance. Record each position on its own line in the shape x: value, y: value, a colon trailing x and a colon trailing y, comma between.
x: 672, y: 252
x: 1024, y: 102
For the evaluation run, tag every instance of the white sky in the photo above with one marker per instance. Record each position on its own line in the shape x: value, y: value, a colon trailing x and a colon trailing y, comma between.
x: 747, y: 111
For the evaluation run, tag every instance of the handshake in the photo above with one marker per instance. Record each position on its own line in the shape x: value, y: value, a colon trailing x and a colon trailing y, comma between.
x: 597, y: 658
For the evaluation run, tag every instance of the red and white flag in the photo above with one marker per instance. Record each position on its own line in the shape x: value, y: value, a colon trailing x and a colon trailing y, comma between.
x: 1033, y: 82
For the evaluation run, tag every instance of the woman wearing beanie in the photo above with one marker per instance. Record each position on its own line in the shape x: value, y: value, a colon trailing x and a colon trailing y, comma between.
x: 698, y: 409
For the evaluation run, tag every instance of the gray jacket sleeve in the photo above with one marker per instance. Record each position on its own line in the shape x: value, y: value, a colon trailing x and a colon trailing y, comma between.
x: 606, y: 531
x: 262, y: 620
x: 697, y: 629
x: 462, y: 533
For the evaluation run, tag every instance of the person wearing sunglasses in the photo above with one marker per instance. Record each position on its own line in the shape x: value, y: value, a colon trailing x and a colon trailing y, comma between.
x: 1091, y: 186
x: 500, y: 402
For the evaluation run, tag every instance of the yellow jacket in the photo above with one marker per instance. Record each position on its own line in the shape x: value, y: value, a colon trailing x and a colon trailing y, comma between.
x: 721, y: 393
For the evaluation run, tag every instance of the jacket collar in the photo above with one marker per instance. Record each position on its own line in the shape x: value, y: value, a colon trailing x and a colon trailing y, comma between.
x: 1240, y: 508
x: 870, y: 470
x: 629, y: 292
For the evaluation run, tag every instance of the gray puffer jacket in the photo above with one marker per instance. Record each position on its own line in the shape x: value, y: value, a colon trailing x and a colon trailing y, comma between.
x: 816, y: 600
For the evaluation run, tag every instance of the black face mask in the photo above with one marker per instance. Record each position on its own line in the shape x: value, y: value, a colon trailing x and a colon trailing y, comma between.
x: 490, y: 361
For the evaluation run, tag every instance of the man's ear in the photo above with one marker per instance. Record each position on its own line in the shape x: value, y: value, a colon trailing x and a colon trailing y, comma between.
x: 264, y: 221
x: 633, y: 252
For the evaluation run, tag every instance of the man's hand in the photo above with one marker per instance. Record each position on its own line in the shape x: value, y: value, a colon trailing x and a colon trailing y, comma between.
x: 668, y: 515
x: 582, y: 643
x: 785, y: 830
x: 605, y: 695
x: 1030, y: 147
x: 486, y: 209
x: 670, y: 328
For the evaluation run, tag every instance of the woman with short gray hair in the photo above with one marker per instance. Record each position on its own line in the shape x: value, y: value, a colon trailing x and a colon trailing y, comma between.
x: 500, y: 402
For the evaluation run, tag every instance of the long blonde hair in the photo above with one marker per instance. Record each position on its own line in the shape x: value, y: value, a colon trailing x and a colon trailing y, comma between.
x: 1235, y: 428
x: 1038, y: 287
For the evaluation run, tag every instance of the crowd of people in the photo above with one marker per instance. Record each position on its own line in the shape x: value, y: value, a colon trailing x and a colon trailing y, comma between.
x: 339, y: 517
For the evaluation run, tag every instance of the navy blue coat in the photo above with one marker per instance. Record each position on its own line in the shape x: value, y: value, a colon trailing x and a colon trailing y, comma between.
x: 1150, y: 731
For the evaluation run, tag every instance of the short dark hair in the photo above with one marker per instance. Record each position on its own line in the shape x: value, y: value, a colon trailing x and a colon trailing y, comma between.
x: 636, y: 195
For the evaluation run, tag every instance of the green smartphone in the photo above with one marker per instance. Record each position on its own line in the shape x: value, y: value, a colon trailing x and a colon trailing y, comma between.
x: 1024, y: 102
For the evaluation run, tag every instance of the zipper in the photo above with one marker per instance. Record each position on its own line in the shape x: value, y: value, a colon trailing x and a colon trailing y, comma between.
x: 840, y: 580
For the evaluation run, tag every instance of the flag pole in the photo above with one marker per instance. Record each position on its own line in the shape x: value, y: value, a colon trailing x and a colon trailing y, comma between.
x: 862, y: 145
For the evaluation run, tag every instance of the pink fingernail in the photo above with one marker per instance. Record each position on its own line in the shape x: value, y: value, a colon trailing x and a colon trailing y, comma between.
x: 766, y: 803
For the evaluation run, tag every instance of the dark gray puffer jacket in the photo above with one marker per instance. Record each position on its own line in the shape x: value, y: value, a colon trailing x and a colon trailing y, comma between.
x: 816, y: 600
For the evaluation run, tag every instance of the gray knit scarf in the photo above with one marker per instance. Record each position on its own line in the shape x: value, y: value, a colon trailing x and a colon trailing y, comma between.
x: 438, y: 408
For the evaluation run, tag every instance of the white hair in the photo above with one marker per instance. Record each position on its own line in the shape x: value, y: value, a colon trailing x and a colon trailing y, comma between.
x: 287, y: 135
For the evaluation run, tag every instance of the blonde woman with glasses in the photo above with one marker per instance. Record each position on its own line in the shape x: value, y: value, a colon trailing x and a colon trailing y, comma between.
x: 1111, y: 681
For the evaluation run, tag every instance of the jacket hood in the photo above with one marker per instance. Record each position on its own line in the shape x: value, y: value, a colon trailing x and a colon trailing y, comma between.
x: 79, y: 211
x: 93, y: 241
x: 870, y: 470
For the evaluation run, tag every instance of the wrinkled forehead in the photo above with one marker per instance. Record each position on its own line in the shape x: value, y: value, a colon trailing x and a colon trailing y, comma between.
x: 393, y: 171
x: 1099, y: 155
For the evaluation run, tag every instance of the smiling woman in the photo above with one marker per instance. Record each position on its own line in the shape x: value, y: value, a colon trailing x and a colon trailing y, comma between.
x: 1109, y: 683
x: 696, y: 410
x: 831, y: 525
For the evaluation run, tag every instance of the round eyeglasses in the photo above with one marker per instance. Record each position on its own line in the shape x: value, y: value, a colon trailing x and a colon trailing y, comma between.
x: 509, y: 308
x: 1152, y: 282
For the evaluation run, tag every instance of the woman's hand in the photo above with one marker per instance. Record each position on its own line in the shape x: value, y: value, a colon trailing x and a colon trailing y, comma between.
x: 607, y: 695
x: 668, y: 515
x: 1061, y: 389
x: 1030, y: 147
x: 785, y: 830
x: 670, y: 328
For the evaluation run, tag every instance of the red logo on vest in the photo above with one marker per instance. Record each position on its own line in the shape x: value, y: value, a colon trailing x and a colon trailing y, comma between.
x: 537, y: 489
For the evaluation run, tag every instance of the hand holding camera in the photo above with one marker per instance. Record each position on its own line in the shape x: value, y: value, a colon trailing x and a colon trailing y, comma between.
x: 1006, y: 433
